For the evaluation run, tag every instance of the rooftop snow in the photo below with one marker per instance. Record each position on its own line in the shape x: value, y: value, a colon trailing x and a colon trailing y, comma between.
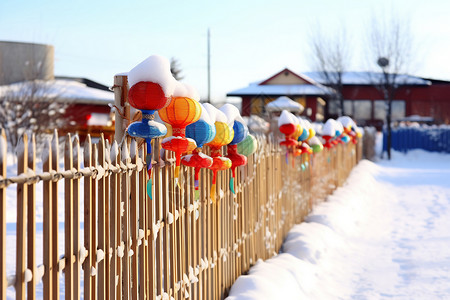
x: 279, y: 90
x: 61, y: 90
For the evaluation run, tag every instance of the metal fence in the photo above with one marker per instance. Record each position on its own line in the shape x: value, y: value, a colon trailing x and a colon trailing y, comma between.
x: 429, y: 138
x: 122, y: 245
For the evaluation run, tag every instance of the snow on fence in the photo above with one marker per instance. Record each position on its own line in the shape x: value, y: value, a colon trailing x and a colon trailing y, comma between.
x: 180, y: 245
x: 430, y: 138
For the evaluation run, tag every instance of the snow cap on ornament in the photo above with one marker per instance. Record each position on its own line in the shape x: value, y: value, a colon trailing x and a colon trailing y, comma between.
x: 151, y: 84
x: 329, y: 132
x: 287, y: 124
x: 347, y: 123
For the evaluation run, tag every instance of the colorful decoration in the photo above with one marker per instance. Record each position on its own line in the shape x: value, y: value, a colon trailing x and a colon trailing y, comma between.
x: 224, y: 135
x: 350, y: 128
x: 248, y: 146
x: 190, y: 125
x: 240, y: 133
x: 203, y: 131
x: 315, y: 144
x: 287, y: 124
x: 151, y: 89
x: 329, y: 132
x: 181, y: 112
x: 240, y: 130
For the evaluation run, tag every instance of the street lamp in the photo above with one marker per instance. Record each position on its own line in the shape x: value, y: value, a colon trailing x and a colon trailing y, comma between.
x: 383, y: 62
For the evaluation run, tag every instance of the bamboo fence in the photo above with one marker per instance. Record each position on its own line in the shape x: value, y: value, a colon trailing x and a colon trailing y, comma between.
x: 178, y: 245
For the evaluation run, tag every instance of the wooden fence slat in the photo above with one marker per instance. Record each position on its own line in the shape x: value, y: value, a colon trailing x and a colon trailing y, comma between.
x: 114, y: 213
x: 88, y: 209
x: 94, y: 229
x: 142, y: 194
x: 151, y: 220
x: 126, y: 223
x: 3, y: 160
x: 55, y: 217
x: 119, y: 194
x: 102, y: 217
x: 76, y: 220
x: 134, y: 221
x: 31, y: 222
x: 22, y: 194
x: 47, y: 223
x: 108, y: 273
x: 68, y: 221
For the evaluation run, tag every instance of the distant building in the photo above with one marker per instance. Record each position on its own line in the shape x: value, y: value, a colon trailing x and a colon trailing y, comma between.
x: 363, y: 99
x: 415, y: 96
x: 310, y: 94
x: 88, y: 102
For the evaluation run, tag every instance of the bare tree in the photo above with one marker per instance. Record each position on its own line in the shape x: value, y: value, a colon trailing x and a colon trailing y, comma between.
x: 31, y: 106
x: 331, y: 58
x: 391, y: 45
x: 175, y: 69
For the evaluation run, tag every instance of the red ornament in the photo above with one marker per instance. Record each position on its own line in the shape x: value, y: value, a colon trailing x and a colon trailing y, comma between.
x: 328, y: 144
x: 178, y: 144
x: 219, y: 163
x: 236, y: 158
x: 147, y: 95
x: 197, y: 160
x: 288, y: 130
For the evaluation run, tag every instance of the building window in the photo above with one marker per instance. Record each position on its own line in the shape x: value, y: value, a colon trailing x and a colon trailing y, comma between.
x: 380, y: 109
x: 362, y: 109
x: 348, y: 108
x: 398, y: 109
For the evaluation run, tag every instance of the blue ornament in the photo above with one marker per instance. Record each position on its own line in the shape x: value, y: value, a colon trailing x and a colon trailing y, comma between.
x: 304, y: 135
x: 240, y: 133
x: 201, y: 132
x: 147, y: 129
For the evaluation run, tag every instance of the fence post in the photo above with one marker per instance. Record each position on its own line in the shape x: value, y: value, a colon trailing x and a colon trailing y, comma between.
x: 122, y: 108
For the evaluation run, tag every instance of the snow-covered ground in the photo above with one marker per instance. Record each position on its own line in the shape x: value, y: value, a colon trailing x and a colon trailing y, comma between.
x: 384, y: 234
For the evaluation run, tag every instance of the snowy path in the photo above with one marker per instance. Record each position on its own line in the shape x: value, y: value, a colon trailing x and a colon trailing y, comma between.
x: 384, y: 235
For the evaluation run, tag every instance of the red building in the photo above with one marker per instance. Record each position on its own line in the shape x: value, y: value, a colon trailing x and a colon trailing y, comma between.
x: 414, y: 96
x: 300, y: 88
x: 363, y: 99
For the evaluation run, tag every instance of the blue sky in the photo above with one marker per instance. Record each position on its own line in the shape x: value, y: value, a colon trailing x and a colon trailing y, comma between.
x: 250, y: 40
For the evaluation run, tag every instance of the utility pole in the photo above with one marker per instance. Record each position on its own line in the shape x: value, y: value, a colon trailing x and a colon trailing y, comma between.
x: 209, y: 69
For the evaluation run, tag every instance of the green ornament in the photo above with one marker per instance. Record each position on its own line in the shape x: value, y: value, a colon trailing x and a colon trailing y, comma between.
x: 317, y: 148
x: 248, y: 146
